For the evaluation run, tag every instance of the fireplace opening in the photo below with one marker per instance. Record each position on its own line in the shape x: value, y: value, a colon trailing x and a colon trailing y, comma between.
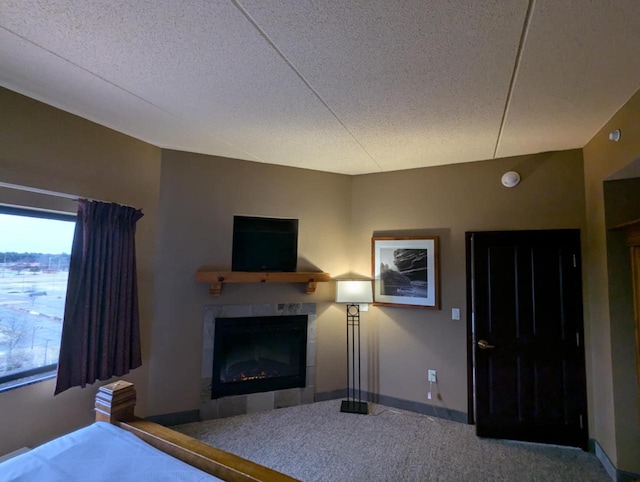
x: 259, y: 354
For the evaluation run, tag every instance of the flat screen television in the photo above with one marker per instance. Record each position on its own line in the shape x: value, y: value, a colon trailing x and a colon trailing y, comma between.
x: 264, y: 244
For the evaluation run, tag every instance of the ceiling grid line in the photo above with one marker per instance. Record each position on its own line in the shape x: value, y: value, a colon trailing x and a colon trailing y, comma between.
x: 514, y: 73
x: 272, y: 44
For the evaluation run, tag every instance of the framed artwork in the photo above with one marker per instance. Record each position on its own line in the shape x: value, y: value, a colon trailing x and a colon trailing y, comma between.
x: 405, y: 271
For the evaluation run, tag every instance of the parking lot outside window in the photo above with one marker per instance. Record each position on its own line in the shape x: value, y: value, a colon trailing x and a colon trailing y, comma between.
x: 35, y: 248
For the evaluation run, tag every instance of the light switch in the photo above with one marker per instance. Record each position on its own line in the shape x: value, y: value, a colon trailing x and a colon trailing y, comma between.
x: 455, y: 313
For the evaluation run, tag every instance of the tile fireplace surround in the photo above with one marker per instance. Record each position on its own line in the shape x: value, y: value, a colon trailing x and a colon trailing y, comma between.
x: 255, y: 402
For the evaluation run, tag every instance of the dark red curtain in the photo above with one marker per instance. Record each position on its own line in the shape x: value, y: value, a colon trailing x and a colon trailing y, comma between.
x: 101, y: 332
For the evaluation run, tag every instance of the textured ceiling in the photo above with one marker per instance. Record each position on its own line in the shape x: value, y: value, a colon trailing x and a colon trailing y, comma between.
x: 350, y: 87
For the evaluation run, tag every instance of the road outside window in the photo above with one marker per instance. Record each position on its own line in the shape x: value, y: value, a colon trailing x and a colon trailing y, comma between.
x: 35, y: 250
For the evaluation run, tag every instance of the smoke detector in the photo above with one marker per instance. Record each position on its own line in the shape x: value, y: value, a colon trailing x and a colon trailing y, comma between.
x: 615, y: 135
x: 510, y: 179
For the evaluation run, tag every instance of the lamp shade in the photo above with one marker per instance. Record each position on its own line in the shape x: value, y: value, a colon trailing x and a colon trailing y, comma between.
x: 354, y: 291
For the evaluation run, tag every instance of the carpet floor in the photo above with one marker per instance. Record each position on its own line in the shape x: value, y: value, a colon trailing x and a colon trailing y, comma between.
x: 318, y: 443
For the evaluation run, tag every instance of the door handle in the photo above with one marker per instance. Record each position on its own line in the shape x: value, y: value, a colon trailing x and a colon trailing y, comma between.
x: 484, y: 345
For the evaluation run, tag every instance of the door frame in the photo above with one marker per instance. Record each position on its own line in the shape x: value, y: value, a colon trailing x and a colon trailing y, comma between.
x: 471, y: 408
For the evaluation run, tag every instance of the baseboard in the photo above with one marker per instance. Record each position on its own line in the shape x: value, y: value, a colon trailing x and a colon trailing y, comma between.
x: 176, y: 418
x: 418, y: 407
x: 614, y: 473
x: 604, y: 459
x: 330, y: 395
x: 399, y: 403
x: 623, y: 476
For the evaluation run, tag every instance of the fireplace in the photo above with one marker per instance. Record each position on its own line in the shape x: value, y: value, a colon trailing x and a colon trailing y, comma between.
x: 218, y: 406
x: 258, y: 354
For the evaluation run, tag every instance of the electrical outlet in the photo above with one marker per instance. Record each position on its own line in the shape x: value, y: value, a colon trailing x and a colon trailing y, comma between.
x: 432, y: 376
x: 455, y: 313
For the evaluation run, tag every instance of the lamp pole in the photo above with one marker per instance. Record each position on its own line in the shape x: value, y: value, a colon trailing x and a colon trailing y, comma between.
x: 353, y: 292
x: 353, y: 403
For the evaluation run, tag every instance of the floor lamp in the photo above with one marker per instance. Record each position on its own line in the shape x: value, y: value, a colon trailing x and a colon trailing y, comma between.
x: 353, y: 292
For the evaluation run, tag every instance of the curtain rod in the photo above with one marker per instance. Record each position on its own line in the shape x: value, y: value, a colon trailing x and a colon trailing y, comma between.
x: 73, y: 197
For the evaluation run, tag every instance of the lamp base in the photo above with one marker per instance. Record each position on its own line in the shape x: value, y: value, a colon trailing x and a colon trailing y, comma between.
x: 351, y: 406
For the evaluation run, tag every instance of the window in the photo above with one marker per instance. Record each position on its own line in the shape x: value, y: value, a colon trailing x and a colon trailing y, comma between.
x: 35, y: 249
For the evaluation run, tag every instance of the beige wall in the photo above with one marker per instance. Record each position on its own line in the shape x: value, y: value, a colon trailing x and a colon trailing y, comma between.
x: 610, y: 424
x: 46, y: 148
x: 199, y: 196
x: 448, y: 201
x: 338, y: 215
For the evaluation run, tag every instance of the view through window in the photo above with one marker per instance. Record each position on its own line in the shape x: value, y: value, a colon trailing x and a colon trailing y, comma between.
x: 35, y: 250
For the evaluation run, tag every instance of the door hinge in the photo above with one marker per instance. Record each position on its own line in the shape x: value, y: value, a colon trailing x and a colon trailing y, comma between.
x: 581, y: 425
x: 575, y: 264
x: 577, y: 339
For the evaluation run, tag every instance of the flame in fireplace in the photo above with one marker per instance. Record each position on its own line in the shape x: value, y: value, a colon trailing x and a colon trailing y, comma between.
x: 243, y: 377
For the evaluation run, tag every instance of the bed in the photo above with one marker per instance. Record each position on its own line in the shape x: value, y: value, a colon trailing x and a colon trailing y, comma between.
x: 120, y: 446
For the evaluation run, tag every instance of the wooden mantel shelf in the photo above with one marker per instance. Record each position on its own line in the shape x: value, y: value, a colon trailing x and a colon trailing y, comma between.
x: 217, y: 278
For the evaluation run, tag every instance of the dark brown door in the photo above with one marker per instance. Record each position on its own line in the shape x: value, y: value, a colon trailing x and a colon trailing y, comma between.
x: 527, y: 336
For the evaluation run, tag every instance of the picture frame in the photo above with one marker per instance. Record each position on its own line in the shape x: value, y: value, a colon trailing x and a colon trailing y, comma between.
x: 405, y: 271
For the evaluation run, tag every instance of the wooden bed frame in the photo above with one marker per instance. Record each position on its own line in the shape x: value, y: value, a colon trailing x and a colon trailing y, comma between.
x: 115, y: 404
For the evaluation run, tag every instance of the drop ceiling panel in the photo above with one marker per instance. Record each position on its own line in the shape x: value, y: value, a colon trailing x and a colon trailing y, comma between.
x: 579, y: 66
x: 201, y: 61
x: 417, y: 83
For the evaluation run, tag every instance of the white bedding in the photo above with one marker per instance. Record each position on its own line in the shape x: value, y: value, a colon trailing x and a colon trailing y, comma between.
x: 99, y: 452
